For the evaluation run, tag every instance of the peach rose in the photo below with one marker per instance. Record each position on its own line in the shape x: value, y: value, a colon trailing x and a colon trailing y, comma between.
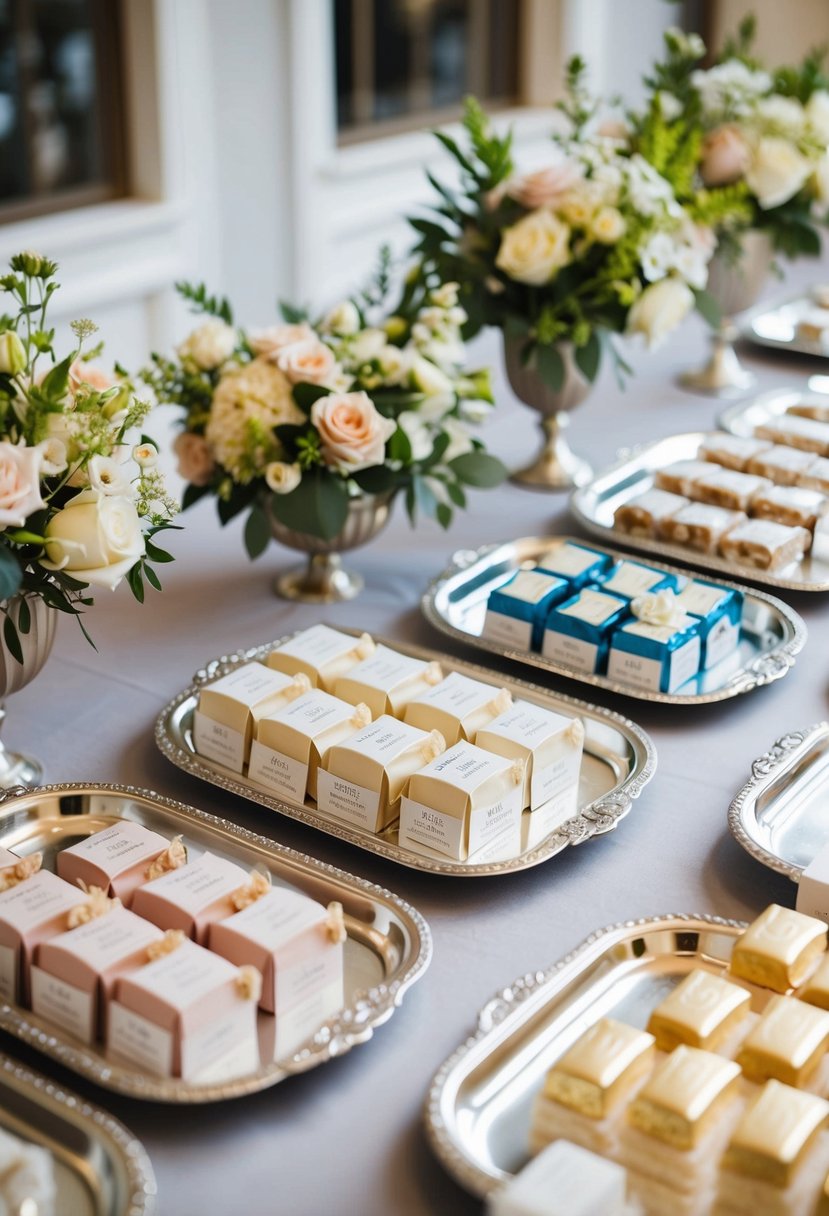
x: 352, y: 433
x: 309, y: 362
x: 89, y: 374
x: 269, y: 342
x: 544, y: 187
x: 195, y: 459
x: 725, y: 156
x: 20, y: 469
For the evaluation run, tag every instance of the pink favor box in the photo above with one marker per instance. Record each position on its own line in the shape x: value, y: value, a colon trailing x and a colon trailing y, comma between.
x: 74, y: 974
x: 30, y: 913
x: 180, y: 1015
x: 116, y: 858
x: 192, y: 897
x: 284, y: 936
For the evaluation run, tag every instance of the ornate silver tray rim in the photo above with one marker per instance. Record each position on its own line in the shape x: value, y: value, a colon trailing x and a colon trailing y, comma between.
x: 98, y: 1124
x: 507, y: 1010
x: 798, y: 346
x: 354, y: 1025
x: 600, y: 816
x: 645, y: 457
x: 765, y: 669
x: 784, y: 754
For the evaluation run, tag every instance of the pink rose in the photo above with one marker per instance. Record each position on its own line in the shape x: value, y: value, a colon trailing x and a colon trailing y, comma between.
x: 20, y: 469
x: 269, y: 342
x: 352, y: 433
x: 544, y: 187
x: 195, y: 459
x: 310, y: 362
x: 725, y: 156
x: 89, y: 374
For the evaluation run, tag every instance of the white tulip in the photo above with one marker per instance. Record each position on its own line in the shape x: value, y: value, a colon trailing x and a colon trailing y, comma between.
x: 659, y: 309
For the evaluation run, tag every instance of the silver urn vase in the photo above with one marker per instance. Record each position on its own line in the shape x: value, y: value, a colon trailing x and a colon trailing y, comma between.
x: 734, y: 286
x: 36, y: 645
x: 324, y: 579
x: 557, y: 467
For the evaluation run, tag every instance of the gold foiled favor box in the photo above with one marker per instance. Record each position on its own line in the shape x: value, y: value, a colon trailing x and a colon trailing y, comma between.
x: 322, y: 654
x: 365, y: 776
x: 787, y: 1043
x: 229, y: 708
x: 596, y: 1075
x: 290, y: 745
x: 465, y: 800
x: 779, y: 949
x: 775, y: 1133
x: 701, y: 1012
x: 685, y: 1096
x: 387, y: 681
x: 458, y: 707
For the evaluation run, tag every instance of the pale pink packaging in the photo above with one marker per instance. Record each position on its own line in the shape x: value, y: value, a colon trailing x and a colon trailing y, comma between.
x: 116, y: 859
x: 74, y: 974
x: 30, y: 913
x: 284, y: 935
x: 192, y: 897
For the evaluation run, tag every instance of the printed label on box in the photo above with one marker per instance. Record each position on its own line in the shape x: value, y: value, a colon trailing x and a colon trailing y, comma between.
x: 441, y: 832
x: 508, y: 630
x: 64, y: 1004
x: 486, y: 823
x: 8, y: 973
x: 699, y: 599
x: 278, y: 772
x: 572, y: 652
x: 635, y: 669
x: 218, y: 742
x: 140, y: 1040
x: 721, y: 641
x: 348, y: 801
x: 548, y: 781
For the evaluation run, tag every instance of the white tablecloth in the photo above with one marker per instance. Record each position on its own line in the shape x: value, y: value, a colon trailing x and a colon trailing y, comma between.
x: 347, y: 1138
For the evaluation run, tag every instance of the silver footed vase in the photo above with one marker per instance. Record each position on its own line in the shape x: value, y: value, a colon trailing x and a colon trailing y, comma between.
x: 556, y: 467
x: 324, y: 579
x: 36, y: 645
x: 734, y: 286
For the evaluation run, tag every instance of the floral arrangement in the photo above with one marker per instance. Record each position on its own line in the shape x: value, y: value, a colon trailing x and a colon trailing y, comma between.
x: 80, y: 500
x: 295, y: 420
x: 591, y: 244
x: 742, y: 147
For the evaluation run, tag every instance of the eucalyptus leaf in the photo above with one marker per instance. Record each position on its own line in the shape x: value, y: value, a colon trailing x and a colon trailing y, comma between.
x: 478, y: 469
x: 589, y: 356
x: 257, y: 532
x: 11, y: 574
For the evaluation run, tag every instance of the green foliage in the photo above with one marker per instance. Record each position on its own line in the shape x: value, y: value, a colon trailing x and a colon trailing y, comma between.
x: 200, y: 302
x: 257, y: 532
x: 318, y: 505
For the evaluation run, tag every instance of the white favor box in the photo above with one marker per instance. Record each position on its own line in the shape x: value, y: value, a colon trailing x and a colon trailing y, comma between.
x: 550, y: 745
x: 388, y: 681
x: 322, y: 654
x: 813, y: 887
x: 463, y: 801
x: 229, y: 708
x: 564, y: 1180
x: 365, y: 776
x: 291, y: 745
x: 458, y: 707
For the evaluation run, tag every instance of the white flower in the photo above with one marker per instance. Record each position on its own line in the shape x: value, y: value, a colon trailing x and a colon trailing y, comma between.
x: 731, y: 86
x: 535, y: 248
x: 20, y: 472
x: 459, y: 440
x: 96, y: 537
x: 53, y: 457
x: 817, y: 112
x: 659, y: 309
x: 394, y: 364
x: 777, y: 171
x: 107, y: 476
x: 607, y: 226
x: 145, y: 455
x: 785, y: 112
x: 342, y: 320
x: 820, y: 180
x: 669, y: 105
x: 368, y: 345
x: 692, y: 266
x: 445, y: 296
x: 417, y: 433
x: 282, y: 478
x: 658, y: 608
x: 475, y: 410
x: 209, y: 346
x: 657, y: 257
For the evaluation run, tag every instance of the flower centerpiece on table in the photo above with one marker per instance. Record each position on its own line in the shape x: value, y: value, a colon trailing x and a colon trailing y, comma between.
x: 298, y: 420
x: 81, y: 497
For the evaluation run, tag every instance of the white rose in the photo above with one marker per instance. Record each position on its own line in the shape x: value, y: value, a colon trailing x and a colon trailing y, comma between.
x: 608, y: 226
x: 782, y: 111
x: 459, y: 440
x: 20, y: 472
x: 145, y: 455
x: 394, y: 364
x: 342, y: 320
x: 96, y: 538
x: 777, y: 171
x: 107, y: 476
x: 659, y: 309
x: 209, y: 346
x: 817, y: 112
x: 368, y: 345
x: 669, y: 105
x: 446, y: 296
x: 417, y: 433
x: 281, y: 477
x: 820, y: 180
x: 534, y: 249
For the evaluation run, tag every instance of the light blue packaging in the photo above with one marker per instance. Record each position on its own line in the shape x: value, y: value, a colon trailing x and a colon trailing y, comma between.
x: 719, y: 611
x: 578, y: 631
x: 579, y: 564
x: 516, y: 611
x: 629, y: 579
x: 658, y: 658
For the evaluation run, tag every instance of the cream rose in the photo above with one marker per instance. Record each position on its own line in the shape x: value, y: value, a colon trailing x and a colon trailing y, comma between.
x: 725, y: 156
x: 20, y: 471
x: 607, y: 226
x: 535, y: 249
x: 209, y: 346
x: 342, y: 319
x: 659, y: 309
x: 195, y: 458
x: 281, y: 477
x: 352, y: 433
x: 96, y: 537
x: 269, y: 342
x: 777, y: 171
x: 309, y: 362
x: 89, y: 375
x: 545, y: 186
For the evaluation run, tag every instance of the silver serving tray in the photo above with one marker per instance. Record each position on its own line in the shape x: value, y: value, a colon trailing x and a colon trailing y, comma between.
x: 455, y: 603
x: 100, y: 1167
x: 744, y: 417
x: 478, y: 1109
x: 388, y: 948
x: 776, y: 327
x: 619, y: 761
x: 780, y: 815
x: 594, y: 506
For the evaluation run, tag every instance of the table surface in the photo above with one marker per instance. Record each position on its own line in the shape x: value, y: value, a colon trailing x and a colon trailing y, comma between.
x: 348, y: 1137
